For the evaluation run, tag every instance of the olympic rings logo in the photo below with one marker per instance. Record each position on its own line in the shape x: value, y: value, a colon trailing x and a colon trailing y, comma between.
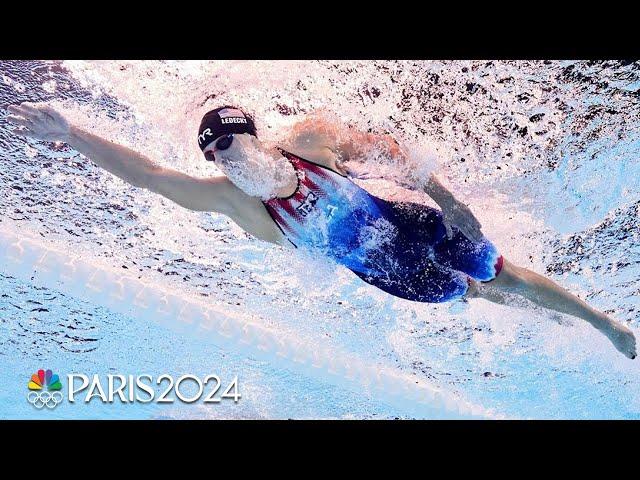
x: 40, y: 398
x: 44, y: 399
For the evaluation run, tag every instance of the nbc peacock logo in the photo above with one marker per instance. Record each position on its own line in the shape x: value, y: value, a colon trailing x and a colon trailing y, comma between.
x: 38, y: 396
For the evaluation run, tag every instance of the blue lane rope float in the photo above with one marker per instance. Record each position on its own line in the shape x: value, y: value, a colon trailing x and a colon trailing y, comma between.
x: 89, y: 279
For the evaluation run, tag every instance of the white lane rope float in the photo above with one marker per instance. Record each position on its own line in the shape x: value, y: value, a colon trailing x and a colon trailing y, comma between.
x: 37, y: 261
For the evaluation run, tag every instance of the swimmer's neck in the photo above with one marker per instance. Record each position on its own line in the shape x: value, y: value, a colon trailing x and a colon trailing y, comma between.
x: 319, y: 155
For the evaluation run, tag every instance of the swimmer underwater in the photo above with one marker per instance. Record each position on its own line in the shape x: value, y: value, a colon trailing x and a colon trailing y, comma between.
x: 301, y: 195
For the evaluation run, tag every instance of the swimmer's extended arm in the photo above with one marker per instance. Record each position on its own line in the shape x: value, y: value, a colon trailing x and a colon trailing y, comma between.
x: 202, y: 194
x: 45, y: 123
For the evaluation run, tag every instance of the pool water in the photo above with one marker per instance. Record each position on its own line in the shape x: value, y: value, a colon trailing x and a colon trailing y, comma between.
x: 545, y: 153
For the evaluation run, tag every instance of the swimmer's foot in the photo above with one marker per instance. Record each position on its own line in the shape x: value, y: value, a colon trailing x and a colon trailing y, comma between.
x: 621, y: 337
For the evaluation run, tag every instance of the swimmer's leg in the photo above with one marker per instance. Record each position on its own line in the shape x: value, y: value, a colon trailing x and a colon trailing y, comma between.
x: 548, y: 294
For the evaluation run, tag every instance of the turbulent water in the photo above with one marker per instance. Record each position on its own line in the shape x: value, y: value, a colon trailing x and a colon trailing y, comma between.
x: 545, y: 153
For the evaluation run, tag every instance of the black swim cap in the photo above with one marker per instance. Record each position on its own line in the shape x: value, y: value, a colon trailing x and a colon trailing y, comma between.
x: 223, y: 121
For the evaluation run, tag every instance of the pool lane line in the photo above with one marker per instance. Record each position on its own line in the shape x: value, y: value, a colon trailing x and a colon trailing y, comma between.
x: 34, y: 261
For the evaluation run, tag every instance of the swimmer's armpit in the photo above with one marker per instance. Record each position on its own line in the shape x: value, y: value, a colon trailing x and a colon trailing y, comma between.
x: 323, y: 130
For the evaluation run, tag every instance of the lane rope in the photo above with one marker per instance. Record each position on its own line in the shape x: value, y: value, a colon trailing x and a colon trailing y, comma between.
x: 38, y: 261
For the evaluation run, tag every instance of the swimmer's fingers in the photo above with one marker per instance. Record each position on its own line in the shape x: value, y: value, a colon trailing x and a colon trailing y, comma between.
x: 17, y: 109
x: 472, y: 227
x: 478, y: 236
x: 43, y: 121
x: 33, y: 112
x: 25, y: 126
x: 478, y: 230
x: 469, y: 229
x: 475, y: 233
x: 24, y: 110
x: 25, y: 132
x: 448, y: 228
x: 19, y: 121
x: 470, y: 233
x: 30, y: 107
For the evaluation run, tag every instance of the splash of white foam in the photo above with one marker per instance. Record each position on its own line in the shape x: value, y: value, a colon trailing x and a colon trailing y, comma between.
x: 256, y: 172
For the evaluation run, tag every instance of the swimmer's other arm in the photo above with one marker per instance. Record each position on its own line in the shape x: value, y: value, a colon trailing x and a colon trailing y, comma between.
x: 42, y: 122
x: 350, y: 144
x: 454, y: 211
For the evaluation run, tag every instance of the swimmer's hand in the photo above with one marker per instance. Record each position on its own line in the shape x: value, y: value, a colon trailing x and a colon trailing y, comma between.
x: 41, y: 122
x: 458, y: 214
x: 455, y: 212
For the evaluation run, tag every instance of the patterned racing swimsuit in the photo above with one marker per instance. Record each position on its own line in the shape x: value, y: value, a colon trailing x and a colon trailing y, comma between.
x: 399, y: 247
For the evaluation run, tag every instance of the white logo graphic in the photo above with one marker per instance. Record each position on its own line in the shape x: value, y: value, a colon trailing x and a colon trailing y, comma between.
x: 146, y: 389
x: 44, y: 399
x: 307, y: 205
x: 205, y: 133
x: 330, y: 211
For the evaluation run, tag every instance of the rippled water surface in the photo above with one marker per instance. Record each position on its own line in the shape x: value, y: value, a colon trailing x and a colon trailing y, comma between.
x: 546, y: 153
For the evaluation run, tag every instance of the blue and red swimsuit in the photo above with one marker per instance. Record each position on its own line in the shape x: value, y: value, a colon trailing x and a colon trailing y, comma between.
x: 399, y: 247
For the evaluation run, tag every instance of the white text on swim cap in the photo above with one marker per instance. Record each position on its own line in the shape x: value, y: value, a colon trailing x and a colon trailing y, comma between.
x: 234, y: 120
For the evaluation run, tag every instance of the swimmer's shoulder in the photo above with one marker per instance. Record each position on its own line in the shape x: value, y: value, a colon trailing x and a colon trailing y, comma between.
x: 315, y: 138
x: 254, y: 219
x: 313, y: 149
x: 249, y: 213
